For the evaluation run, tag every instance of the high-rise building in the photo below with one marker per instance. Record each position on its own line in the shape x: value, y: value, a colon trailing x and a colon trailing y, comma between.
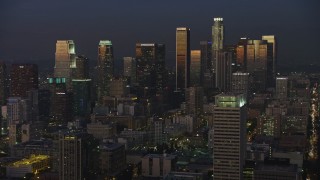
x: 3, y: 84
x: 194, y: 100
x: 282, y: 87
x: 257, y: 57
x: 72, y: 155
x: 195, y: 68
x: 217, y: 40
x: 81, y: 97
x: 105, y: 68
x: 24, y: 77
x: 206, y: 50
x: 272, y: 58
x: 81, y: 69
x: 229, y: 138
x: 150, y: 59
x: 241, y: 55
x: 65, y: 60
x: 182, y: 58
x: 129, y: 69
x: 223, y: 70
x: 240, y: 83
x: 61, y: 102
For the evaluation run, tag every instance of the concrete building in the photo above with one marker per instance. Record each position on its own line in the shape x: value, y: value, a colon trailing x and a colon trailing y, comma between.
x: 112, y: 159
x: 229, y: 136
x: 101, y: 131
x: 281, y: 87
x: 276, y: 169
x: 34, y: 164
x: 72, y: 155
x: 157, y: 165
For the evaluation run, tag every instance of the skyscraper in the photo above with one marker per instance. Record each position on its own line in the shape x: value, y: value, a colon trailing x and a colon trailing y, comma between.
x: 24, y: 77
x: 129, y: 69
x: 150, y: 59
x: 81, y: 68
x: 195, y: 68
x: 105, y: 68
x: 3, y: 83
x: 217, y: 40
x: 61, y: 101
x: 257, y: 56
x: 206, y: 50
x: 229, y: 137
x: 65, y: 60
x: 240, y: 83
x: 81, y: 97
x: 282, y: 87
x: 272, y: 59
x: 223, y: 70
x: 182, y: 58
x: 194, y: 100
x: 72, y: 155
x: 241, y: 55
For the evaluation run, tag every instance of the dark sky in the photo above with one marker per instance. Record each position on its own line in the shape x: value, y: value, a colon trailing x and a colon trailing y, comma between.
x: 29, y: 28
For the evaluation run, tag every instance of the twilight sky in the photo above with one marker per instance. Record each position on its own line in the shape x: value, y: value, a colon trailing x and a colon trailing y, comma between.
x: 29, y: 29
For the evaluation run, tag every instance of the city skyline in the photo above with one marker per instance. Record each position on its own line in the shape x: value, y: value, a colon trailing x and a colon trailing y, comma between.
x: 42, y: 25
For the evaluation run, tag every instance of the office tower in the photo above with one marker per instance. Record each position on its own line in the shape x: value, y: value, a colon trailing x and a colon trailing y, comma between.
x: 44, y: 104
x: 72, y: 155
x: 257, y: 56
x: 112, y: 159
x: 229, y: 139
x: 194, y: 100
x: 105, y: 68
x: 150, y: 59
x: 161, y: 74
x: 240, y: 83
x: 272, y: 59
x: 146, y: 57
x: 81, y: 68
x: 182, y: 58
x: 206, y: 50
x: 217, y: 41
x: 3, y: 84
x: 65, y: 60
x: 157, y: 130
x: 232, y: 49
x: 118, y: 87
x: 241, y: 55
x: 24, y: 77
x: 81, y: 97
x: 223, y: 70
x: 195, y: 68
x: 129, y: 69
x: 61, y: 102
x: 282, y: 87
x: 14, y: 110
x: 33, y: 103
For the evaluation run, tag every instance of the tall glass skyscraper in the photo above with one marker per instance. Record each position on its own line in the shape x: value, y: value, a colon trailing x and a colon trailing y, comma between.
x: 65, y: 60
x: 182, y: 58
x: 217, y: 40
x: 104, y: 69
x: 195, y: 69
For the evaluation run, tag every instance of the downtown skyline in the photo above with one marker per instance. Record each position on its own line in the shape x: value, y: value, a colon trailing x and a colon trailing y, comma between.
x: 87, y: 24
